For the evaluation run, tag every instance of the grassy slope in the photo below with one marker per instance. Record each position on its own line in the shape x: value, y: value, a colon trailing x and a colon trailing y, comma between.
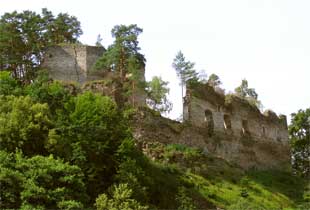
x: 212, y: 182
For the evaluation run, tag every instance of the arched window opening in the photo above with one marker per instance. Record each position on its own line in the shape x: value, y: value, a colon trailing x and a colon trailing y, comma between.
x: 245, y: 127
x: 209, y: 122
x: 227, y: 122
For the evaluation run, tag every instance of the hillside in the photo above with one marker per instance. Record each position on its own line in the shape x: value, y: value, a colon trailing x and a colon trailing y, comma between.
x: 81, y: 128
x: 210, y: 182
x: 62, y: 147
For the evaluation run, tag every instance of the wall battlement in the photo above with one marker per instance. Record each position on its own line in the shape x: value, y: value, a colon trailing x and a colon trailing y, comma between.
x: 216, y: 112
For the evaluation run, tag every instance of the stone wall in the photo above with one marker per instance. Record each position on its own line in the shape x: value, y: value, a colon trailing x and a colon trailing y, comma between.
x: 233, y: 115
x: 224, y: 126
x: 73, y: 62
x: 242, y: 150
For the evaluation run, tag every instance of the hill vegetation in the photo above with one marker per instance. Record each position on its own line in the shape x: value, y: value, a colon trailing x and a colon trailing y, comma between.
x: 63, y: 150
x: 62, y: 147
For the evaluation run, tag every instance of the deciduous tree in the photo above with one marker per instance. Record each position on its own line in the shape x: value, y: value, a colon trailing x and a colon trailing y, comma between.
x: 249, y: 94
x: 214, y: 80
x: 39, y: 183
x: 157, y: 95
x: 244, y: 91
x: 299, y: 131
x: 24, y: 37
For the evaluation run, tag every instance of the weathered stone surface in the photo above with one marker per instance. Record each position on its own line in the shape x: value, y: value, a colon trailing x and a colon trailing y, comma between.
x: 73, y: 62
x: 242, y: 117
x: 245, y: 151
x: 226, y: 126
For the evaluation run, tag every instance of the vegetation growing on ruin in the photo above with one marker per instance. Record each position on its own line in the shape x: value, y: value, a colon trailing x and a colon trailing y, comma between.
x: 84, y: 144
x: 62, y: 148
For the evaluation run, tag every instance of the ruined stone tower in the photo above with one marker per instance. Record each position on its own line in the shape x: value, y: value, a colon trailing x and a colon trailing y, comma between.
x: 73, y: 62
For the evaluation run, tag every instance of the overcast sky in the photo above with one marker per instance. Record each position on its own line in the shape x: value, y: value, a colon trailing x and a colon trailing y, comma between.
x: 265, y: 41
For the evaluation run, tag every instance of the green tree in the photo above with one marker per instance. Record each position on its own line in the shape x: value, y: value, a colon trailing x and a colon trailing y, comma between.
x: 214, y: 80
x: 299, y: 131
x: 136, y: 82
x: 9, y: 85
x: 24, y: 124
x: 61, y: 29
x: 88, y: 132
x: 39, y: 183
x: 125, y: 46
x: 157, y: 95
x: 249, y: 94
x: 124, y: 58
x: 121, y: 199
x: 244, y: 91
x: 43, y: 90
x: 24, y: 37
x: 185, y: 70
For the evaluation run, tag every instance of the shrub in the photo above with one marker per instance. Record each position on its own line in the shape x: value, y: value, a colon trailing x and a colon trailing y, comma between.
x: 53, y: 93
x: 39, y: 183
x: 120, y: 199
x: 8, y: 85
x: 184, y: 201
x: 24, y: 124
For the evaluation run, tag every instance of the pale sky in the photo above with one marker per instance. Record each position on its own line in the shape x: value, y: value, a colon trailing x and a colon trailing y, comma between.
x: 265, y: 41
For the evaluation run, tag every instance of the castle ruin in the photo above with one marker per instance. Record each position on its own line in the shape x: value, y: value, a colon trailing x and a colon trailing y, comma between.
x: 228, y: 114
x: 223, y: 125
x: 73, y: 62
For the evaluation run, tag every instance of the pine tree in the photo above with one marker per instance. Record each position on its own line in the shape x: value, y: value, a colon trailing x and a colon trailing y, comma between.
x: 24, y: 37
x: 185, y: 69
x: 123, y: 58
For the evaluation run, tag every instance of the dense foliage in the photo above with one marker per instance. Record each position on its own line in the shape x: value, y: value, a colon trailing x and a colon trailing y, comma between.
x: 65, y: 148
x: 71, y: 151
x: 25, y: 35
x: 123, y: 57
x: 214, y: 80
x: 299, y: 130
x: 39, y: 183
x: 249, y: 94
x: 157, y: 91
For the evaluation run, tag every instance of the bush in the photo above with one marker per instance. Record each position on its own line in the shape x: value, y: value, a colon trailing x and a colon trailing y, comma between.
x: 187, y: 152
x: 184, y: 201
x: 39, y: 183
x: 88, y: 133
x: 53, y: 93
x: 8, y: 85
x: 24, y: 124
x: 121, y: 199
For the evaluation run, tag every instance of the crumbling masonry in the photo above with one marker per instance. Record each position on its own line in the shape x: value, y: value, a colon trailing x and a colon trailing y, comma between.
x: 222, y: 125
